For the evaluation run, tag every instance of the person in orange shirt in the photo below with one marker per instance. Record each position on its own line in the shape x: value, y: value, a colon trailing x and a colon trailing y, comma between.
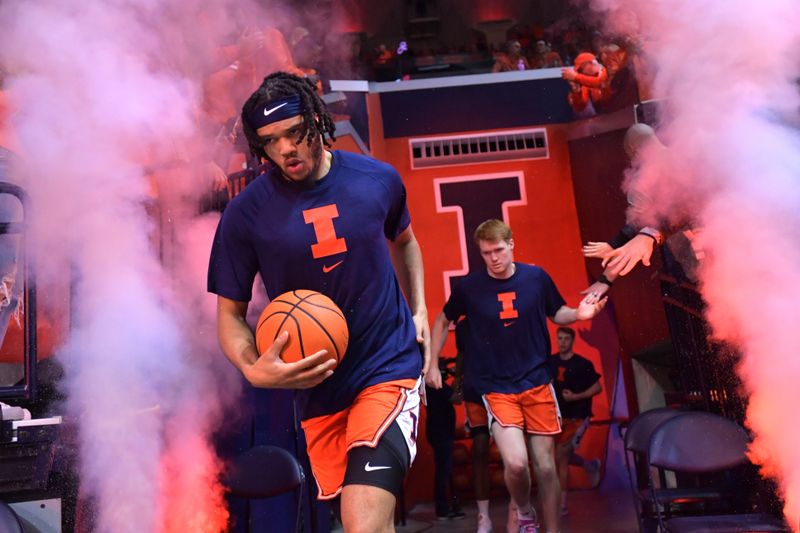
x: 588, y: 82
x: 511, y: 59
x: 545, y: 57
x: 384, y: 55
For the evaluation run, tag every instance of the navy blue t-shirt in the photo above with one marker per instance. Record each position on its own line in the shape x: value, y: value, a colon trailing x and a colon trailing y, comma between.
x: 328, y: 237
x: 576, y: 374
x: 507, y: 341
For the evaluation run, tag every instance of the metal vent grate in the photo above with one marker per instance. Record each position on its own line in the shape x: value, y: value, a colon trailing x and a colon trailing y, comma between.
x: 465, y: 149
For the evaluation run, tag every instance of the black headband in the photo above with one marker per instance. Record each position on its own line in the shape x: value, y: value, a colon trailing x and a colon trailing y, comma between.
x: 275, y: 110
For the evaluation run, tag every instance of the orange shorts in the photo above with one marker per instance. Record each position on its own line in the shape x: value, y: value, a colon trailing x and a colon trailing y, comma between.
x: 476, y: 415
x: 330, y: 437
x: 534, y: 411
x: 572, y: 430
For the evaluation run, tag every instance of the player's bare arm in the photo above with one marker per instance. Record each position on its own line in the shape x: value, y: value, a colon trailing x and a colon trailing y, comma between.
x: 407, y: 261
x: 267, y: 371
x: 594, y: 390
x: 587, y: 309
x: 441, y: 327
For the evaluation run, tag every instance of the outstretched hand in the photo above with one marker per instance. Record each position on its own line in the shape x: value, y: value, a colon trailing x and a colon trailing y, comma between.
x: 597, y: 249
x: 594, y: 292
x: 590, y: 307
x: 623, y: 259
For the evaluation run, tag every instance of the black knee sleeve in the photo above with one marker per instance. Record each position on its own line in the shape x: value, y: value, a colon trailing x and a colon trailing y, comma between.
x: 383, y: 466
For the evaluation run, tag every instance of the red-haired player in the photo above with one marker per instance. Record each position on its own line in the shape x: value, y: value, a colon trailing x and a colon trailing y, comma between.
x: 507, y: 306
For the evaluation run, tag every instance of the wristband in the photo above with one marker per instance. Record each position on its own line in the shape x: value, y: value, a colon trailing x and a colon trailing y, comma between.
x: 604, y: 280
x: 648, y: 235
x: 652, y: 233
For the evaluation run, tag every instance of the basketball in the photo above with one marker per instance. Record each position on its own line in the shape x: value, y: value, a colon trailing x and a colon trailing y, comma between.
x: 313, y: 321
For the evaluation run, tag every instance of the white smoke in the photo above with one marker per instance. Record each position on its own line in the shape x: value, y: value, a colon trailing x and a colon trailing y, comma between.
x: 102, y: 90
x: 727, y: 72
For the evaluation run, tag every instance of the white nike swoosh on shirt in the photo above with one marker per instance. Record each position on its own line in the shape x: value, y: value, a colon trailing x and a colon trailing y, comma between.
x: 268, y: 112
x: 368, y: 468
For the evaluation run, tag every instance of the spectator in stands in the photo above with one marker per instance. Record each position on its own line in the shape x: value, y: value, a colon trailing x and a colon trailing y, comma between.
x: 614, y: 58
x: 510, y: 59
x: 307, y: 55
x: 587, y: 81
x: 384, y: 55
x: 576, y: 382
x: 545, y: 57
x: 622, y: 90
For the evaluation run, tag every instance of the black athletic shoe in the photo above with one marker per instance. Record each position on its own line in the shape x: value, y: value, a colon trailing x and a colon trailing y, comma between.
x: 456, y: 514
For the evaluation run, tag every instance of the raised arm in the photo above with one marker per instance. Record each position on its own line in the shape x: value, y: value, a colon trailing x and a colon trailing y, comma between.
x: 587, y: 309
x: 622, y: 260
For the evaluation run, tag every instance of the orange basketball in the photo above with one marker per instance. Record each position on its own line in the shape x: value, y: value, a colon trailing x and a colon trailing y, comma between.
x: 313, y: 321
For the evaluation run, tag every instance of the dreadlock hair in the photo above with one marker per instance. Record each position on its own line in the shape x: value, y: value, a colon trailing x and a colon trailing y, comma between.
x: 317, y: 122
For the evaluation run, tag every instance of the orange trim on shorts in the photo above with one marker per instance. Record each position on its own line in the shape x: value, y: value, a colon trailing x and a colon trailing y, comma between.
x: 330, y: 437
x: 401, y: 400
x: 534, y: 411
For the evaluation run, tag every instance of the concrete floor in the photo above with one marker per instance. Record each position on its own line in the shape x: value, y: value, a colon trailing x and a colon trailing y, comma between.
x: 591, y: 511
x: 606, y: 509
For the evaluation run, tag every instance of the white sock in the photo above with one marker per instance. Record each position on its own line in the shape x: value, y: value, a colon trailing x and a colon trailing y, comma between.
x: 483, y: 507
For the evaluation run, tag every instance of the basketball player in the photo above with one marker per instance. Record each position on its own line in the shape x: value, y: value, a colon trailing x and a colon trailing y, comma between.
x: 320, y: 220
x: 508, y: 346
x: 575, y: 381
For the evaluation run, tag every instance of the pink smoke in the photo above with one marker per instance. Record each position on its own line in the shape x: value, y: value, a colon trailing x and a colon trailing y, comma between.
x: 104, y: 91
x: 727, y: 72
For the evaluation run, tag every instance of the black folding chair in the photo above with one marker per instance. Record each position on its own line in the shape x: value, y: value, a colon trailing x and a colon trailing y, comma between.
x: 702, y: 443
x: 264, y: 472
x: 637, y: 440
